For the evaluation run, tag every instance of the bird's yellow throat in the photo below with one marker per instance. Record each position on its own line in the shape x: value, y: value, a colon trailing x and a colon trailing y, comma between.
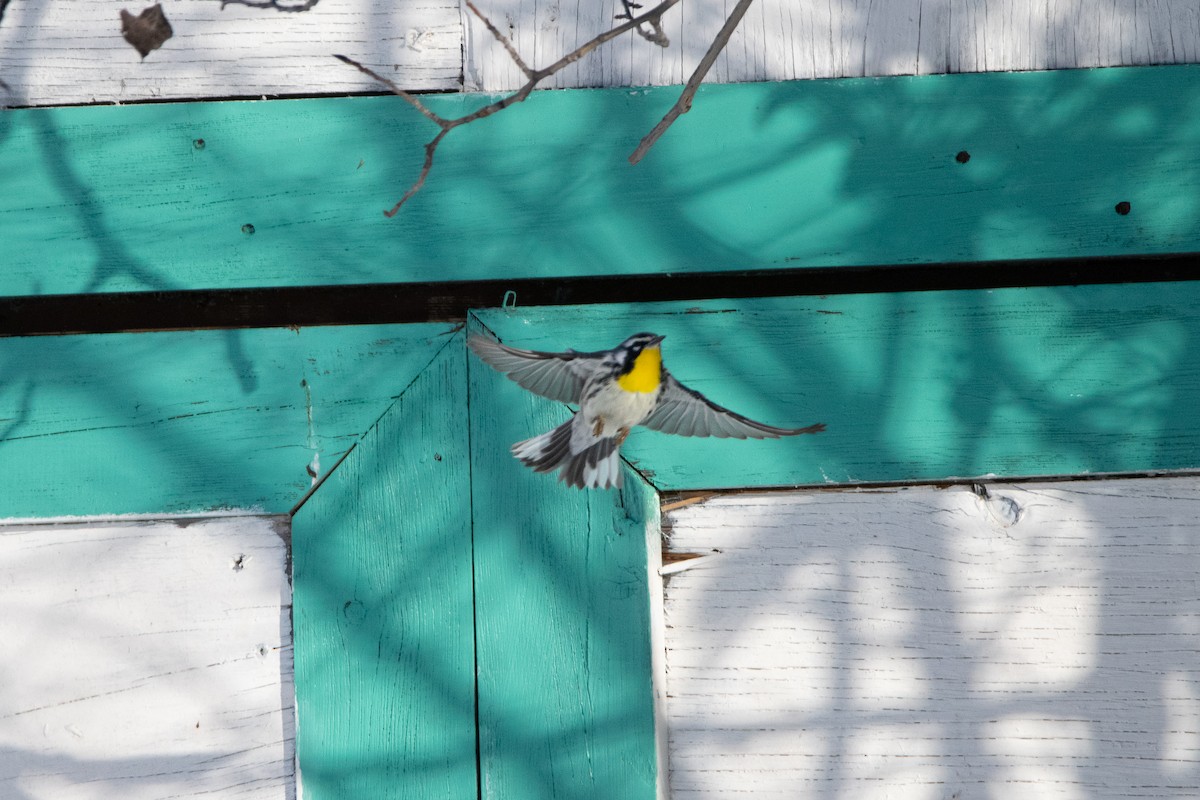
x: 646, y: 374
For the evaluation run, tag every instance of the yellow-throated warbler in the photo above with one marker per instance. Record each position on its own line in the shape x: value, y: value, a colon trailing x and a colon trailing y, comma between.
x: 615, y: 390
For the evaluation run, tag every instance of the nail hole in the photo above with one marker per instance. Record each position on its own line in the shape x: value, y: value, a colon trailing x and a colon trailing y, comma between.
x: 1123, y: 207
x: 437, y: 456
x: 962, y: 157
x: 198, y: 144
x: 239, y: 562
x: 248, y: 229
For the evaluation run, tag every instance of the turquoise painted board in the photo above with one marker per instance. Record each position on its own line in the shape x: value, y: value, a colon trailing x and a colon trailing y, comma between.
x: 562, y: 605
x: 757, y: 176
x: 913, y: 386
x: 192, y: 421
x: 385, y: 671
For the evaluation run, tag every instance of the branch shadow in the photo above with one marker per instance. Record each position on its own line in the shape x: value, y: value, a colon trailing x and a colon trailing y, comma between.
x: 906, y: 641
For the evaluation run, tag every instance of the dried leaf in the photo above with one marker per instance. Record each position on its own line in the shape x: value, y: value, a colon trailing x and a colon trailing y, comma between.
x: 147, y: 31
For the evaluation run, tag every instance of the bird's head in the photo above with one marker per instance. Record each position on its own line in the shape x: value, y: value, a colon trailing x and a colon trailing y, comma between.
x: 640, y: 361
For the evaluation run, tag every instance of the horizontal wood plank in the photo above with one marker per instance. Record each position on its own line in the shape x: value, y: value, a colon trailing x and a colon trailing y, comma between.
x: 760, y: 176
x: 192, y: 421
x: 926, y: 642
x: 71, y: 53
x: 783, y: 40
x: 913, y: 386
x: 147, y: 660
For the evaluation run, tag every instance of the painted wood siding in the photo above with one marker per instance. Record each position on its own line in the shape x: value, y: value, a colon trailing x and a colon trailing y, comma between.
x: 192, y: 421
x: 789, y: 40
x: 66, y: 53
x: 927, y: 643
x: 384, y: 624
x: 144, y: 660
x: 914, y: 386
x: 761, y: 176
x: 562, y: 615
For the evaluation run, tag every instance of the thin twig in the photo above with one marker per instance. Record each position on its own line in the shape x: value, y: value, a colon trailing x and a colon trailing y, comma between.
x: 298, y: 7
x: 502, y: 39
x: 684, y: 103
x: 430, y: 149
x: 535, y: 76
x: 655, y: 35
x: 396, y: 90
x: 581, y: 51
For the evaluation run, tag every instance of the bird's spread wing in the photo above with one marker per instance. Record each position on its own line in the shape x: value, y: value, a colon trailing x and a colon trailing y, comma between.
x: 559, y: 376
x: 686, y: 412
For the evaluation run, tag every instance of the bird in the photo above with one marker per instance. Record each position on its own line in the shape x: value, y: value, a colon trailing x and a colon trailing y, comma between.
x: 615, y: 390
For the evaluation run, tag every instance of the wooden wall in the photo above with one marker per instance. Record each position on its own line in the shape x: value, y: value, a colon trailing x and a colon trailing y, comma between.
x: 919, y: 643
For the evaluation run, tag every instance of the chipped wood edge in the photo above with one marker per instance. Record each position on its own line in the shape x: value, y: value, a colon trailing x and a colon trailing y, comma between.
x: 655, y: 543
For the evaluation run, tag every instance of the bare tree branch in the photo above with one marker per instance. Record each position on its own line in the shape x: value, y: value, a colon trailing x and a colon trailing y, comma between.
x: 684, y: 103
x: 535, y: 76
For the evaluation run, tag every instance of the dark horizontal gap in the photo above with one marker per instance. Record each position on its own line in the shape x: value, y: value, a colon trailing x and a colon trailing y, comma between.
x: 449, y: 301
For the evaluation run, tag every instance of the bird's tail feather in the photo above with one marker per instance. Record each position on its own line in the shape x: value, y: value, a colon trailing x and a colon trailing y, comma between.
x: 546, y: 452
x: 596, y: 467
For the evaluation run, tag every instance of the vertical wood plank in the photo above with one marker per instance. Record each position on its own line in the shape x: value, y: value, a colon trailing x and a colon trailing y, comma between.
x: 144, y: 660
x: 384, y: 661
x: 565, y: 696
x: 928, y: 643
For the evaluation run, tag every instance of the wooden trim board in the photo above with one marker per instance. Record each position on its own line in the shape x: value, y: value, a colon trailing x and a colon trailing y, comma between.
x: 756, y: 177
x: 384, y: 618
x: 192, y: 421
x: 923, y: 386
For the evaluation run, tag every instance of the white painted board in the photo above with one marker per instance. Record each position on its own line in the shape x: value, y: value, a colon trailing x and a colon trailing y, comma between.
x: 789, y: 40
x: 55, y: 53
x: 145, y: 660
x: 923, y: 644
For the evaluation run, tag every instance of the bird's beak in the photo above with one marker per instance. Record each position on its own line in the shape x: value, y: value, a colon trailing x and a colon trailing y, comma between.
x: 657, y: 339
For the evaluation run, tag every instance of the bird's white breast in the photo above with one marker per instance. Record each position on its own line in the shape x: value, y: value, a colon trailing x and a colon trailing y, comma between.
x: 618, y: 408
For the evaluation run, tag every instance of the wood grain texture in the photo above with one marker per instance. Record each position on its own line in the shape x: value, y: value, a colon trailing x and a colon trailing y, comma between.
x: 192, y: 421
x: 784, y: 40
x: 913, y: 386
x: 384, y: 625
x: 565, y: 698
x: 924, y: 643
x: 759, y: 176
x: 70, y: 53
x: 146, y: 660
